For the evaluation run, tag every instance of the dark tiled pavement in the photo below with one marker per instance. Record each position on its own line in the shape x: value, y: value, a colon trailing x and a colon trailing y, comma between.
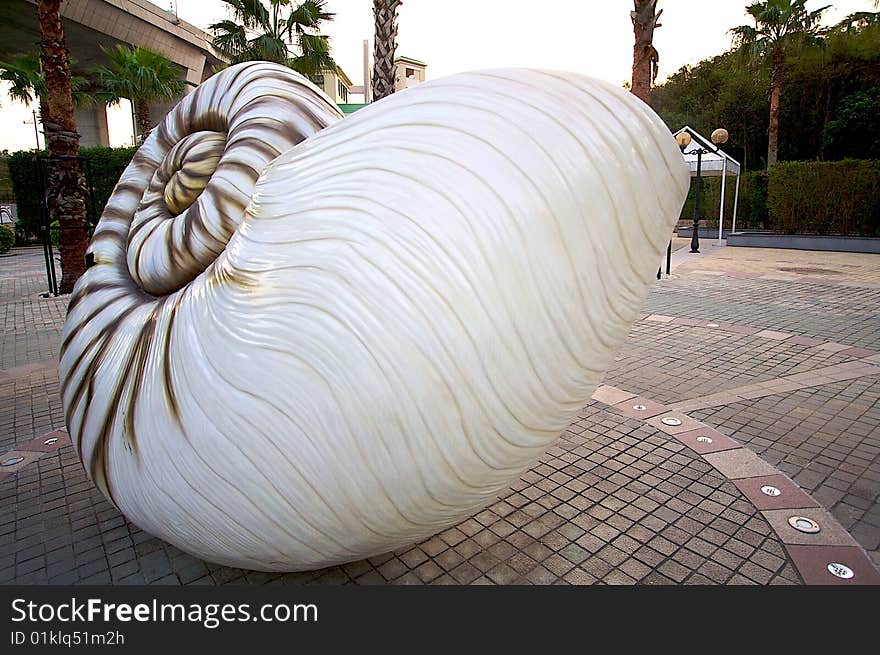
x: 614, y: 501
x: 827, y: 439
x: 848, y: 314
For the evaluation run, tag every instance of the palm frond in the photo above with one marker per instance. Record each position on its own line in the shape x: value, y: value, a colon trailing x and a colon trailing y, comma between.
x: 314, y: 58
x: 138, y: 74
x: 25, y: 75
x: 252, y: 14
x: 230, y: 38
x: 307, y: 16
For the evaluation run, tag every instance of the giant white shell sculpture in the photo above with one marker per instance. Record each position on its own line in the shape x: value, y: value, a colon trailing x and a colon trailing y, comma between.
x: 306, y: 340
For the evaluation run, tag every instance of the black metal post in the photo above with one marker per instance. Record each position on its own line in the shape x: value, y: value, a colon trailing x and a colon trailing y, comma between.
x: 45, y: 229
x: 695, y: 236
x: 669, y: 257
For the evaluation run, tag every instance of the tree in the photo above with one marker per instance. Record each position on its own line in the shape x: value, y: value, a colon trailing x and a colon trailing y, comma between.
x: 27, y: 83
x: 818, y: 80
x: 645, y: 19
x: 66, y: 185
x: 384, y: 46
x: 141, y: 76
x: 261, y: 33
x: 854, y: 132
x: 781, y: 26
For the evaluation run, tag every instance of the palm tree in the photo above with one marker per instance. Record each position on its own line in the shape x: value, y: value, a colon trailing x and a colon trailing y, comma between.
x: 261, y: 33
x: 780, y: 27
x: 66, y: 185
x: 27, y: 83
x: 384, y: 45
x: 142, y: 76
x: 645, y: 19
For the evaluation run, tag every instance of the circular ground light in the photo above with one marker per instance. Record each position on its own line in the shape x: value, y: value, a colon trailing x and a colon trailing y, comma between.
x: 639, y: 408
x: 50, y: 441
x: 804, y: 524
x: 840, y: 570
x: 770, y: 490
x: 704, y: 439
x: 11, y: 461
x: 712, y: 325
x: 670, y: 420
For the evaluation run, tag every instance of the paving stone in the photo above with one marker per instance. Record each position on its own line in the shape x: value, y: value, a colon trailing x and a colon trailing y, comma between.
x: 644, y: 487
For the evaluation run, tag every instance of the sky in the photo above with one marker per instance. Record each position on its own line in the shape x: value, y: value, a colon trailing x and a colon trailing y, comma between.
x: 588, y: 36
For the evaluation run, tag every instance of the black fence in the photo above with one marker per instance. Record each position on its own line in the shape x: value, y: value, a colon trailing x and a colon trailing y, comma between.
x: 42, y: 165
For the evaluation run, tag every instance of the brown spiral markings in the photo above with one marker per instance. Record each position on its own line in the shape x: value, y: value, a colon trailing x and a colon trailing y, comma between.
x: 171, y: 214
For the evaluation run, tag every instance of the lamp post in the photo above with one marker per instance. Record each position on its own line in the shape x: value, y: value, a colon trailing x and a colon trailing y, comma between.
x: 684, y: 140
x: 36, y: 131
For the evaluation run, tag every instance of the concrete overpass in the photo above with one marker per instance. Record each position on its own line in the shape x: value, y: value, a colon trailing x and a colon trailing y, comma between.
x: 90, y: 24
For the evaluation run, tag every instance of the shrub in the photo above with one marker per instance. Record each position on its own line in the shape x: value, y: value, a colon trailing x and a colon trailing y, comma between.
x: 751, y: 211
x: 811, y: 197
x: 106, y: 166
x: 7, y: 238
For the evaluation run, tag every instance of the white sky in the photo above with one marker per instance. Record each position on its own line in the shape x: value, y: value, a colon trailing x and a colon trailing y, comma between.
x: 588, y: 36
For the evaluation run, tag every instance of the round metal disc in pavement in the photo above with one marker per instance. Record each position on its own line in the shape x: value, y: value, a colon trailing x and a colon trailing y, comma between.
x: 803, y: 524
x: 840, y: 570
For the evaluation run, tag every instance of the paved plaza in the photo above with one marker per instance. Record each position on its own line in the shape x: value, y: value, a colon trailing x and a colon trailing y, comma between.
x: 744, y: 401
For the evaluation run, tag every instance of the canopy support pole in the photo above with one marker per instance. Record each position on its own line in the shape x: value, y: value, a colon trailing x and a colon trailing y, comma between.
x: 721, y: 208
x: 735, y: 203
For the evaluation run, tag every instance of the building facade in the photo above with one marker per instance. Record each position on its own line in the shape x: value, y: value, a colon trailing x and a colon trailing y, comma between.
x: 409, y: 72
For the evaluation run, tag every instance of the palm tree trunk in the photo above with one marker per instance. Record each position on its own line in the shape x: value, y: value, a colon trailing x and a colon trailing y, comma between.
x: 645, y: 56
x: 385, y: 43
x: 66, y: 185
x: 142, y: 111
x: 777, y: 68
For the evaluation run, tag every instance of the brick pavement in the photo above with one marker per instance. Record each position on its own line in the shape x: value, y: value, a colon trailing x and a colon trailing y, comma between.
x: 827, y: 439
x: 848, y: 314
x: 616, y: 500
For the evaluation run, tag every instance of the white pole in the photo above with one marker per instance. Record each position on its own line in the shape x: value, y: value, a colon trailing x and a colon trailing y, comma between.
x: 721, y: 209
x: 368, y: 90
x: 735, y: 202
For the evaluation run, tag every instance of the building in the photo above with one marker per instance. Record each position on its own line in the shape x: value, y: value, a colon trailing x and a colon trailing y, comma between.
x: 409, y: 72
x: 90, y: 24
x: 336, y: 85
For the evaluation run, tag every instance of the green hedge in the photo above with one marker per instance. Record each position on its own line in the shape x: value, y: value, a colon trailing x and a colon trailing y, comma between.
x: 839, y: 197
x: 751, y: 211
x: 107, y: 165
x: 7, y: 238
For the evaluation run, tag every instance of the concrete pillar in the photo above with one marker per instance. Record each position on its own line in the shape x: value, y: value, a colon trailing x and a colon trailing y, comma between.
x: 92, y: 127
x: 102, y: 131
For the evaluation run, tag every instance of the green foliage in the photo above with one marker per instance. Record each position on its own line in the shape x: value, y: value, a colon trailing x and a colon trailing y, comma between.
x: 262, y: 33
x: 24, y: 73
x: 855, y: 130
x: 784, y: 24
x: 751, y: 210
x: 106, y: 164
x: 841, y: 197
x: 7, y: 239
x: 55, y: 233
x: 138, y: 74
x: 722, y: 92
x: 5, y: 182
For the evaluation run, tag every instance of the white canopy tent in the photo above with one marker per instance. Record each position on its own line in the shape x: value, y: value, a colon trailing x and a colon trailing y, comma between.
x: 714, y: 163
